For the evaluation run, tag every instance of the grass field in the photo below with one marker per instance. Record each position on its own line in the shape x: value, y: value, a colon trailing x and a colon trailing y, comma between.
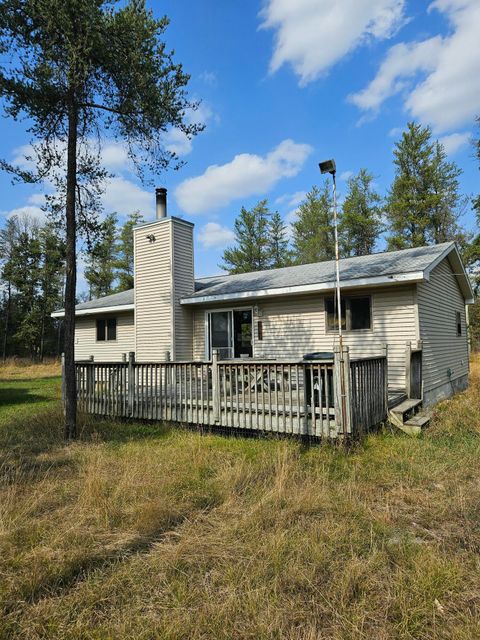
x: 145, y: 532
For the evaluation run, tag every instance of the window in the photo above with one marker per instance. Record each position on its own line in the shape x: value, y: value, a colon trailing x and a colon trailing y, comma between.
x: 106, y: 329
x: 459, y: 323
x: 356, y: 313
x: 230, y: 332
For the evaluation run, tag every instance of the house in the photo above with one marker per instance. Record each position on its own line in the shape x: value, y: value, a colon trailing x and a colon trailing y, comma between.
x: 412, y: 300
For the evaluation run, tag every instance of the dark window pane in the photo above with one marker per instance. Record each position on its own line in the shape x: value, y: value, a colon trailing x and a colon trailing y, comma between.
x: 101, y: 329
x: 112, y: 329
x: 359, y: 313
x: 332, y: 315
x: 242, y: 326
x: 459, y: 324
x: 220, y: 333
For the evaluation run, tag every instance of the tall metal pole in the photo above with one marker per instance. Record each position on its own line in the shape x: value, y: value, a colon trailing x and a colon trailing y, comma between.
x: 337, y: 261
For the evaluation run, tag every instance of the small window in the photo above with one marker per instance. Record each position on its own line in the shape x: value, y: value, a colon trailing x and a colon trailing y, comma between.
x: 459, y: 323
x: 106, y: 329
x: 356, y: 313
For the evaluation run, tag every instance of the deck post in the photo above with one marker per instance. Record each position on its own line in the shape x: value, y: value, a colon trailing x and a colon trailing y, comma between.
x: 385, y: 353
x: 347, y: 403
x: 90, y: 376
x: 215, y: 386
x: 408, y: 367
x: 341, y: 372
x: 131, y: 383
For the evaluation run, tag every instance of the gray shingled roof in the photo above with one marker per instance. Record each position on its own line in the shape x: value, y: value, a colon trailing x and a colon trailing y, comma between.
x: 114, y: 300
x: 378, y: 264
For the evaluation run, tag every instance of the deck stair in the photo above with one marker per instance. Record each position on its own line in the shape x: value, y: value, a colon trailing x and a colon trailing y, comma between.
x: 405, y: 416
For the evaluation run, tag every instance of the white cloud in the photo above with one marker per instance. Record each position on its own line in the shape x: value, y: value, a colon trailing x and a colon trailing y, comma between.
x: 438, y: 76
x: 30, y: 211
x: 454, y: 142
x: 246, y: 175
x: 346, y: 175
x: 124, y: 196
x: 402, y: 62
x: 312, y: 35
x: 291, y: 199
x: 395, y: 132
x: 115, y: 156
x: 215, y: 235
x: 176, y: 141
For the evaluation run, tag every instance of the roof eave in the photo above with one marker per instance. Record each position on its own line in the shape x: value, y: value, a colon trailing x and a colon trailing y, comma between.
x: 95, y: 310
x: 375, y: 281
x: 452, y: 253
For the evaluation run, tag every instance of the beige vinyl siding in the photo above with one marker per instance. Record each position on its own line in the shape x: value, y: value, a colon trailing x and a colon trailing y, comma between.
x: 183, y: 286
x: 153, y: 291
x: 296, y: 325
x: 438, y: 301
x: 199, y: 334
x: 86, y: 344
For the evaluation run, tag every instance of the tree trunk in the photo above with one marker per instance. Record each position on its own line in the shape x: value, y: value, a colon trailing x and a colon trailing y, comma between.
x: 71, y: 278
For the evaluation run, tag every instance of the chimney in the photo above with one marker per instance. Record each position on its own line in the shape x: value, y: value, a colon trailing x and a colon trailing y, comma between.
x: 161, y: 202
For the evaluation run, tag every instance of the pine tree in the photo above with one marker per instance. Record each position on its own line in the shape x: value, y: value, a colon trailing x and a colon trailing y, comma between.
x: 51, y: 282
x: 360, y: 224
x: 251, y: 251
x: 8, y: 240
x: 424, y: 204
x: 74, y: 69
x: 280, y: 254
x: 101, y: 260
x: 124, y: 252
x: 23, y: 271
x: 313, y: 231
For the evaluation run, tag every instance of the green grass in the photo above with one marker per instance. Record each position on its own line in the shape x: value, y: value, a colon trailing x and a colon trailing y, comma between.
x: 26, y: 396
x: 144, y: 531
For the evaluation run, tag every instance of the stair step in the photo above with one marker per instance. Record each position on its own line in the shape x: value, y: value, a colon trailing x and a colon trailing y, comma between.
x: 410, y: 430
x: 418, y: 421
x: 406, y: 406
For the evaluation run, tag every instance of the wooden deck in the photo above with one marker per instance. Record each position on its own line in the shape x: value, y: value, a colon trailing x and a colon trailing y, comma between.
x: 316, y: 398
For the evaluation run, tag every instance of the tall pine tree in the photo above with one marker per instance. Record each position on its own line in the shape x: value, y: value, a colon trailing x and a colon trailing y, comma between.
x: 424, y: 203
x: 280, y: 254
x: 124, y: 252
x: 360, y: 224
x: 101, y: 259
x: 251, y: 251
x: 313, y: 231
x: 72, y: 70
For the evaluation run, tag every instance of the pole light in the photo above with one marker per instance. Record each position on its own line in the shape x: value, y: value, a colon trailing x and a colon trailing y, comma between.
x: 328, y: 166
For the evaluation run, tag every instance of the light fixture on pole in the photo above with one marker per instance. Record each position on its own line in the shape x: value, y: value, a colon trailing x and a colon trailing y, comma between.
x: 328, y: 166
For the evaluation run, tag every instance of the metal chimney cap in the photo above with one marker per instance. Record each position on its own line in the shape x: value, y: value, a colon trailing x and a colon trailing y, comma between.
x: 161, y: 202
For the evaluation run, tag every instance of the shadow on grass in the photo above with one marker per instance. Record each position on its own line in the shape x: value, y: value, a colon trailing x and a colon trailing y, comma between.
x: 18, y: 395
x: 79, y: 569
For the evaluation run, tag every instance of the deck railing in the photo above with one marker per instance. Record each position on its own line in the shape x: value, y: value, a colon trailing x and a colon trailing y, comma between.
x: 305, y: 398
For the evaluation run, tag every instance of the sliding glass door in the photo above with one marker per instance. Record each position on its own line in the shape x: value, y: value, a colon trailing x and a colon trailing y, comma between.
x: 230, y: 332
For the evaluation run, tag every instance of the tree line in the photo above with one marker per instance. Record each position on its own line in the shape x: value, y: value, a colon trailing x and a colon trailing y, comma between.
x: 32, y: 278
x: 423, y: 206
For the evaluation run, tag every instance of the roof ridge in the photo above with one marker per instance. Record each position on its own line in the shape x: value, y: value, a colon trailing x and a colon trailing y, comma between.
x: 324, y: 262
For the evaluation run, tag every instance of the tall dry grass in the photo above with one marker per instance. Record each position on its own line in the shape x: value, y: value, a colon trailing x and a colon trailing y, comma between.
x: 23, y: 368
x: 145, y: 532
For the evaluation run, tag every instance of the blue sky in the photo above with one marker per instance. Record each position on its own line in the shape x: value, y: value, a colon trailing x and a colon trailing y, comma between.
x: 286, y: 83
